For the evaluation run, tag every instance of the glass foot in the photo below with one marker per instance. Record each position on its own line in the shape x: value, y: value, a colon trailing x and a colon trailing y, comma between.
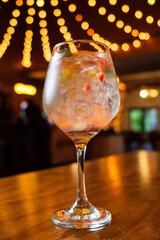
x: 82, y: 218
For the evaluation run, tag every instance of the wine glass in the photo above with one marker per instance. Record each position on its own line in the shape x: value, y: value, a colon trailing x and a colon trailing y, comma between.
x: 81, y: 97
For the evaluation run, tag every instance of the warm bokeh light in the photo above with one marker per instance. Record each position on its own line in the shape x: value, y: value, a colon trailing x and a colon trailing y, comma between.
x: 158, y: 23
x: 113, y: 2
x: 120, y: 24
x: 19, y: 3
x: 149, y: 19
x: 21, y: 88
x: 16, y: 13
x: 138, y: 14
x: 142, y: 35
x: 63, y: 29
x: 29, y: 20
x: 114, y: 46
x: 13, y: 22
x: 29, y: 33
x: 31, y: 11
x: 7, y: 36
x: 30, y: 2
x: 147, y: 36
x: 125, y: 46
x: 10, y: 30
x: 90, y: 32
x: 92, y: 3
x: 153, y: 93
x: 127, y: 29
x: 95, y: 36
x: 79, y: 17
x: 40, y: 3
x: 107, y: 43
x: 42, y: 14
x: 72, y: 7
x: 135, y: 33
x: 57, y: 12
x: 102, y: 10
x: 67, y: 35
x: 111, y: 17
x: 60, y: 21
x: 54, y: 3
x: 125, y: 8
x: 151, y: 2
x: 43, y: 31
x: 143, y: 93
x: 136, y: 43
x: 43, y: 23
x: 85, y: 25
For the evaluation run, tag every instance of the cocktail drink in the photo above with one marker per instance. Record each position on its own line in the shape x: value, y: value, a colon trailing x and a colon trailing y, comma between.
x: 81, y: 97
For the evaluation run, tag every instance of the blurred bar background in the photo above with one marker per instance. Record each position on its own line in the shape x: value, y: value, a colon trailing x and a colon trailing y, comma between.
x: 29, y: 30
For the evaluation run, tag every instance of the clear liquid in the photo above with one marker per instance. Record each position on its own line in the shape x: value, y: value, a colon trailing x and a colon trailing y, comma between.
x: 81, y: 137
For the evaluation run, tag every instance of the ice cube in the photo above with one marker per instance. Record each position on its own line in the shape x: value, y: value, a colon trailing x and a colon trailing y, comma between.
x: 78, y: 104
x: 85, y: 62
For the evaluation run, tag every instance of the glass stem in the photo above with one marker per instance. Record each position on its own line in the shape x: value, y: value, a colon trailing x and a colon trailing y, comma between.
x: 81, y: 189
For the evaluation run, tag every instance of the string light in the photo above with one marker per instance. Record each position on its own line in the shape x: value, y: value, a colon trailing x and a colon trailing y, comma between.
x: 42, y: 14
x: 127, y: 29
x: 21, y: 88
x: 26, y: 61
x: 125, y: 46
x: 151, y: 2
x: 79, y: 17
x: 92, y: 3
x: 138, y: 14
x: 102, y: 10
x: 40, y: 3
x: 31, y: 11
x: 85, y: 25
x: 30, y: 2
x: 120, y: 24
x: 114, y: 47
x: 125, y: 8
x: 10, y: 31
x: 57, y: 12
x: 19, y: 3
x: 112, y: 2
x: 135, y: 33
x: 54, y: 3
x: 111, y: 17
x: 149, y: 19
x: 72, y: 7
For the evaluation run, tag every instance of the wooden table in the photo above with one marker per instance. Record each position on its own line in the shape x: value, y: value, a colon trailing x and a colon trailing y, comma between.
x: 128, y: 185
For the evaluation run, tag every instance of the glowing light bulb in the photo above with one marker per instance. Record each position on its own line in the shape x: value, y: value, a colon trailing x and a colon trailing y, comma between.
x: 125, y: 8
x: 120, y: 24
x: 151, y: 2
x: 72, y: 7
x: 138, y: 14
x: 111, y: 17
x: 149, y: 19
x: 85, y: 25
x: 136, y: 43
x: 143, y: 93
x: 125, y: 46
x: 102, y: 10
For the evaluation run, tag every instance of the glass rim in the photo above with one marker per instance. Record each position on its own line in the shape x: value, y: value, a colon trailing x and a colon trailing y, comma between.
x: 81, y: 41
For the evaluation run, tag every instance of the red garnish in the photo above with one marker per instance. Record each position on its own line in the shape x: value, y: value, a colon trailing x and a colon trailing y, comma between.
x: 100, y: 76
x: 87, y: 87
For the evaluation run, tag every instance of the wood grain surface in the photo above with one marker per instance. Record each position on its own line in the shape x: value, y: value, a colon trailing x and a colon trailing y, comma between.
x: 128, y: 185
